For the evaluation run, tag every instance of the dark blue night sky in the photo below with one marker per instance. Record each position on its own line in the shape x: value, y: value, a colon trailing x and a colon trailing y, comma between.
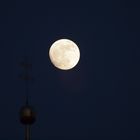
x: 99, y: 98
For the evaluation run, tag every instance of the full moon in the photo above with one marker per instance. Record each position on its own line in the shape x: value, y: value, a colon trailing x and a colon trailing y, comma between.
x: 64, y: 54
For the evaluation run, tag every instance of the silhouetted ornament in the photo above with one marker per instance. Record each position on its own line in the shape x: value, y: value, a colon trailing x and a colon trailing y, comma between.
x: 27, y: 115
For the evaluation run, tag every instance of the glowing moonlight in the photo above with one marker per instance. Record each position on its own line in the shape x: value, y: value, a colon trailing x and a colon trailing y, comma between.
x: 64, y: 54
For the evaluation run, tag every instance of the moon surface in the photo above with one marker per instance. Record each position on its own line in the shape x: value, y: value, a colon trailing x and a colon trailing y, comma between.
x: 64, y: 54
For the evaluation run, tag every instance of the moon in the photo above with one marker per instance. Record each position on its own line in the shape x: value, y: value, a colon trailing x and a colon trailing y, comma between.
x: 64, y: 54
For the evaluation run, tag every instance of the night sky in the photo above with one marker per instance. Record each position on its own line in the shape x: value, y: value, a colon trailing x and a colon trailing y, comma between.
x: 99, y: 98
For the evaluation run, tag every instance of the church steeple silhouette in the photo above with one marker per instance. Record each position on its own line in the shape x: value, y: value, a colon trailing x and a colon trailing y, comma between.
x: 27, y: 114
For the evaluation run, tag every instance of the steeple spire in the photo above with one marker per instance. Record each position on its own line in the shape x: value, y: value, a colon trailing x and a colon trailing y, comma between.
x: 27, y: 115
